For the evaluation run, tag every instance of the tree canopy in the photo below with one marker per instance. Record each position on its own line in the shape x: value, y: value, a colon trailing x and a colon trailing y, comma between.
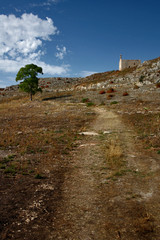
x: 30, y: 80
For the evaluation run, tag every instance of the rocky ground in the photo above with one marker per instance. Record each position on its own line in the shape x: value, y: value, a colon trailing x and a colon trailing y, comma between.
x: 83, y: 163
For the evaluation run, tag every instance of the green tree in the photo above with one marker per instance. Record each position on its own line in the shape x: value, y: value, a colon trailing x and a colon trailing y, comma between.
x: 30, y: 80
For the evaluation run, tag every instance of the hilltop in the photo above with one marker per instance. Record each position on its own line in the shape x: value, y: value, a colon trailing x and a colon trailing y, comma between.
x: 143, y: 78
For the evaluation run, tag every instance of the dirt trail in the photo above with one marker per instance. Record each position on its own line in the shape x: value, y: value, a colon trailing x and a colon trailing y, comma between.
x: 103, y: 189
x: 109, y: 189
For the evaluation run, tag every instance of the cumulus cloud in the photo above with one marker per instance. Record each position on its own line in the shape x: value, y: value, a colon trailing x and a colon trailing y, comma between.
x: 24, y: 35
x: 61, y: 52
x: 86, y: 73
x: 13, y: 66
x: 21, y: 41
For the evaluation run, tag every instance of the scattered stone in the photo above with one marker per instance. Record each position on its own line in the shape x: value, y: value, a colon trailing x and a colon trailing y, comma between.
x: 89, y: 133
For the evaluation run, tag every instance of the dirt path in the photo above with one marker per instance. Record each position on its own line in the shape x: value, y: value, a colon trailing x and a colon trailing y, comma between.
x: 109, y: 190
x: 104, y: 189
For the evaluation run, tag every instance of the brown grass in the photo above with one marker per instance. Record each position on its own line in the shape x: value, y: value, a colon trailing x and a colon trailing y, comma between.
x: 147, y: 127
x: 38, y: 133
x: 114, y: 154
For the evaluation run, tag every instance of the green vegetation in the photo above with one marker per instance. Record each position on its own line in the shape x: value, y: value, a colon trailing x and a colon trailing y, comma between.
x: 141, y: 78
x: 114, y: 102
x: 30, y: 81
x: 90, y: 104
x: 85, y: 100
x: 39, y: 176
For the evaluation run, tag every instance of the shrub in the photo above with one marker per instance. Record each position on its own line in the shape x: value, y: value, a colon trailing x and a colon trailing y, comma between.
x: 89, y: 104
x: 10, y: 170
x: 39, y: 176
x: 114, y: 102
x: 125, y: 94
x: 85, y: 100
x: 102, y: 92
x: 110, y: 90
x: 158, y: 85
x: 110, y: 96
x: 141, y: 78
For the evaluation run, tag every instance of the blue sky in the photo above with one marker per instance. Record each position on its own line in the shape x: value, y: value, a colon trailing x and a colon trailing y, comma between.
x: 75, y: 38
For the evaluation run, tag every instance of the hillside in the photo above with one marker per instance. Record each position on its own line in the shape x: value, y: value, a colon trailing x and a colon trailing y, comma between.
x: 81, y: 161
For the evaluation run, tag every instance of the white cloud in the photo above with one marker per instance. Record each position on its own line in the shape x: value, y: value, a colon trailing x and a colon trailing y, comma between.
x: 61, y: 52
x: 13, y: 66
x: 21, y: 40
x: 45, y: 3
x: 24, y: 35
x: 86, y: 73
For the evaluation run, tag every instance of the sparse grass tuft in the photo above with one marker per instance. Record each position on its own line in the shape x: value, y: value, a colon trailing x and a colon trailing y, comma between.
x: 90, y: 104
x: 114, y: 155
x: 85, y: 100
x: 39, y: 176
x: 10, y: 170
x: 114, y: 102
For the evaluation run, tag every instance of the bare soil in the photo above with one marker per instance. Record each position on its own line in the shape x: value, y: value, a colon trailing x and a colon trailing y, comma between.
x: 74, y: 172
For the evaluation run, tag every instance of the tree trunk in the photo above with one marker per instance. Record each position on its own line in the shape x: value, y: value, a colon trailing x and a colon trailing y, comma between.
x: 31, y: 96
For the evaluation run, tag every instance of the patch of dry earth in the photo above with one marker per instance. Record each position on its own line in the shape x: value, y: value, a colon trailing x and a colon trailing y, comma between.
x: 111, y: 190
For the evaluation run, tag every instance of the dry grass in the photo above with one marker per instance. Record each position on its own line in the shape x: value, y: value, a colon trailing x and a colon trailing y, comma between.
x: 39, y: 134
x: 114, y: 155
x: 147, y: 127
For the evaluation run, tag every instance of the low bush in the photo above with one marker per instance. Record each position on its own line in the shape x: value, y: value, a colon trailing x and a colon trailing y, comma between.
x: 114, y: 102
x: 39, y: 176
x: 125, y: 94
x: 158, y: 85
x: 85, y: 100
x: 89, y: 104
x: 102, y: 92
x: 110, y: 96
x: 141, y: 78
x: 110, y: 90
